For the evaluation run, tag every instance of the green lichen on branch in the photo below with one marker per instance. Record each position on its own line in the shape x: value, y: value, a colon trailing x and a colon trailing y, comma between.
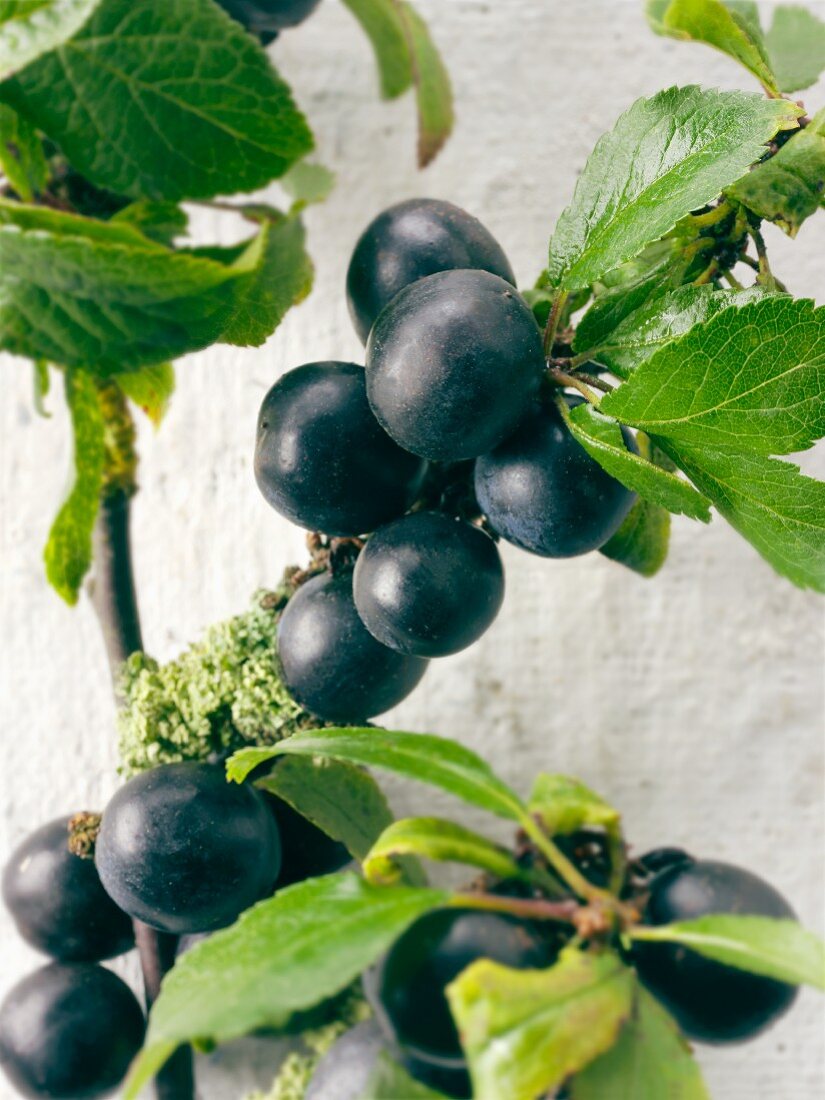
x: 298, y: 1067
x: 222, y: 693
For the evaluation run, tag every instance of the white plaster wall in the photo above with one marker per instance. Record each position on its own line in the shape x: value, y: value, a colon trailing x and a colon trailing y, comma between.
x: 694, y: 701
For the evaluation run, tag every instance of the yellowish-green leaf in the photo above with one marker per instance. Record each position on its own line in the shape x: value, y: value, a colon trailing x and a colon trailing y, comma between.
x: 649, y: 1060
x: 386, y: 31
x: 68, y: 552
x: 22, y: 160
x: 790, y: 186
x: 437, y: 839
x: 150, y: 388
x: 730, y: 27
x: 525, y: 1031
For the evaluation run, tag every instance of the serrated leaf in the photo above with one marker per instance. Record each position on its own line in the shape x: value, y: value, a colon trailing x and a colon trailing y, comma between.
x: 790, y: 186
x: 612, y: 306
x: 525, y: 1031
x: 662, y: 318
x: 100, y: 295
x: 68, y: 552
x: 282, y: 278
x: 385, y: 29
x: 342, y: 800
x: 433, y: 92
x: 390, y: 1082
x: 164, y: 99
x: 150, y: 388
x: 770, y: 503
x: 665, y: 157
x: 751, y: 378
x: 29, y: 28
x: 22, y: 160
x: 778, y: 949
x: 422, y: 756
x: 796, y: 44
x: 602, y: 438
x: 650, y: 1059
x: 284, y: 955
x: 437, y: 839
x: 730, y: 27
x: 161, y: 222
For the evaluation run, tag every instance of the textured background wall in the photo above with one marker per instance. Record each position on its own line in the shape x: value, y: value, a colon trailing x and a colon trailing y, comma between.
x: 694, y: 701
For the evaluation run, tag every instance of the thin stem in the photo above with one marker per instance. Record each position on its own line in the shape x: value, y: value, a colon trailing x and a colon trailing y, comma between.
x: 563, y: 867
x: 731, y: 280
x: 563, y: 379
x: 711, y: 217
x: 766, y: 277
x: 531, y: 908
x: 114, y: 600
x: 552, y: 326
x: 708, y: 274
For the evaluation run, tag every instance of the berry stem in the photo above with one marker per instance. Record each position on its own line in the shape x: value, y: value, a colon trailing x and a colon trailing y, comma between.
x: 531, y: 908
x: 562, y: 378
x: 114, y: 600
x: 552, y: 326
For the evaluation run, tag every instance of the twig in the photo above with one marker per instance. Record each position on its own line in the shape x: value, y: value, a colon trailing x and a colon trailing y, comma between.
x: 114, y: 600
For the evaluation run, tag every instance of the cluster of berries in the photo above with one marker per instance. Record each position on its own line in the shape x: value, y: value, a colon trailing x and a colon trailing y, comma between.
x: 447, y: 440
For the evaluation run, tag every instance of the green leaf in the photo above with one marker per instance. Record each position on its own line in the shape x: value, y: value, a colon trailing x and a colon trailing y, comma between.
x: 343, y: 801
x: 642, y: 541
x: 386, y: 31
x: 732, y: 28
x: 662, y: 318
x: 407, y: 56
x: 612, y: 306
x: 22, y: 160
x: 29, y: 28
x: 770, y: 503
x: 390, y: 1082
x: 282, y: 278
x: 665, y: 157
x: 68, y: 552
x: 790, y: 186
x: 422, y: 756
x: 752, y: 378
x: 307, y: 183
x: 650, y: 1059
x: 164, y: 99
x: 437, y: 839
x: 778, y: 949
x: 161, y: 222
x: 433, y: 92
x: 151, y: 388
x: 564, y: 805
x: 602, y: 439
x: 284, y: 955
x: 84, y: 293
x: 525, y: 1031
x: 796, y: 44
